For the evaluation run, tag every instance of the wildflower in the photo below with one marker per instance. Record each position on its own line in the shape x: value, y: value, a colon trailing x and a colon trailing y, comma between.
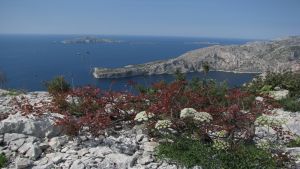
x: 220, y: 144
x: 263, y: 144
x: 221, y: 134
x: 269, y: 121
x: 143, y: 116
x: 202, y: 117
x: 163, y: 124
x: 187, y: 113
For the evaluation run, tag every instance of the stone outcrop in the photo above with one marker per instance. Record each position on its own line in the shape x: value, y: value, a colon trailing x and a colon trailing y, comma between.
x: 277, y: 55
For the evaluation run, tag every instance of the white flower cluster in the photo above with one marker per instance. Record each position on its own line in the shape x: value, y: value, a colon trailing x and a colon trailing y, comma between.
x: 263, y: 144
x: 197, y: 116
x: 163, y: 124
x: 202, y: 117
x: 220, y: 144
x: 187, y: 113
x: 269, y: 121
x: 143, y: 116
x: 221, y: 133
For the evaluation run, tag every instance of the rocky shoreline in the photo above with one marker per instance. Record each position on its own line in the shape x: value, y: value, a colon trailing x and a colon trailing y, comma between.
x: 255, y: 57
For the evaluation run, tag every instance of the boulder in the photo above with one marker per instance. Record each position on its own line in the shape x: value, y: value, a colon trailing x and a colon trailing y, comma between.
x: 43, y: 126
x: 58, y: 142
x: 100, y: 151
x: 150, y: 146
x: 33, y: 152
x: 145, y: 159
x: 78, y: 164
x: 23, y: 163
x: 260, y: 99
x: 278, y: 95
x: 56, y: 157
x: 116, y: 161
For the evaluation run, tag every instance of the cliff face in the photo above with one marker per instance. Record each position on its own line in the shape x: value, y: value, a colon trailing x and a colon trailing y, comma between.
x: 277, y: 56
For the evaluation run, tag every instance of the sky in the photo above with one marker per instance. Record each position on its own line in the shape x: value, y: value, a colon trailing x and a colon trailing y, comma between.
x: 257, y: 19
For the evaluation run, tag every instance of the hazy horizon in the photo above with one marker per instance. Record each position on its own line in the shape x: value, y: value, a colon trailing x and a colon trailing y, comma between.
x: 256, y: 19
x: 130, y: 35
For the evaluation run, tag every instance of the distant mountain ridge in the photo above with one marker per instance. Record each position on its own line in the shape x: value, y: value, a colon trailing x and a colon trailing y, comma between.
x: 255, y: 57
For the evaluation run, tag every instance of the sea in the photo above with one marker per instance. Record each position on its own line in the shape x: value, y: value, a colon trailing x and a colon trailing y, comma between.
x: 28, y: 61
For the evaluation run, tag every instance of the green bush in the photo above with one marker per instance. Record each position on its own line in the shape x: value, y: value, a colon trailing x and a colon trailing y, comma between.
x: 3, y: 160
x: 290, y: 104
x: 294, y: 143
x: 14, y: 92
x: 189, y: 153
x: 266, y: 89
x: 57, y: 85
x: 285, y: 80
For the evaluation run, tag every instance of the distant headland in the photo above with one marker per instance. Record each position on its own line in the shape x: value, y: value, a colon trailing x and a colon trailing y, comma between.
x: 256, y: 57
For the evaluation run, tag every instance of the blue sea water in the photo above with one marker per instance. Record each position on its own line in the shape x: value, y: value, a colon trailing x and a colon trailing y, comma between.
x: 30, y: 60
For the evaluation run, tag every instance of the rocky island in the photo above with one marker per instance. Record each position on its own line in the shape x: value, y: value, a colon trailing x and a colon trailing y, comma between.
x: 276, y: 56
x: 90, y: 40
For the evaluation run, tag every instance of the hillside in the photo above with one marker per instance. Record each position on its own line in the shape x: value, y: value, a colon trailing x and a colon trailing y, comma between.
x: 277, y: 56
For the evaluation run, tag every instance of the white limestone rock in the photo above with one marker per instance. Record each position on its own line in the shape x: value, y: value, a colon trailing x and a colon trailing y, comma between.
x: 150, y: 146
x: 100, y: 151
x: 260, y: 99
x: 116, y: 161
x: 56, y: 157
x: 279, y: 95
x: 58, y: 142
x: 23, y: 163
x: 78, y: 164
x: 34, y: 152
x: 41, y: 127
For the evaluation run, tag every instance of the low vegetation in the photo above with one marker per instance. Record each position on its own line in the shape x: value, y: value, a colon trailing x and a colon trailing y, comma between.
x: 3, y: 160
x: 13, y: 92
x: 189, y: 153
x: 205, y: 122
x: 294, y: 143
x: 57, y: 85
x: 291, y: 104
x: 287, y: 80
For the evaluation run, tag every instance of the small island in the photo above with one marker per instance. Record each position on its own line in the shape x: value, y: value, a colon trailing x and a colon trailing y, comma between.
x: 90, y: 40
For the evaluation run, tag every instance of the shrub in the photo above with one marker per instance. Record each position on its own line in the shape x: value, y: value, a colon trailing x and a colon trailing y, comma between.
x: 3, y: 160
x: 290, y: 104
x: 294, y: 143
x: 57, y: 85
x: 265, y: 89
x: 95, y: 110
x: 189, y: 153
x: 14, y: 92
x: 285, y: 80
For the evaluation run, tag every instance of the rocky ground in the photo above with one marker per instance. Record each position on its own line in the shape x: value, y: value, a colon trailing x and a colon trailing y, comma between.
x: 35, y: 142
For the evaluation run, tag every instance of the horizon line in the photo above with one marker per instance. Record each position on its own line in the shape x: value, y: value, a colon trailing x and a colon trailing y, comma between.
x: 141, y: 35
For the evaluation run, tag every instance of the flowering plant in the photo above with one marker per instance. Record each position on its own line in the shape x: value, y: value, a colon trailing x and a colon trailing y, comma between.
x: 202, y: 117
x: 163, y: 124
x: 143, y: 116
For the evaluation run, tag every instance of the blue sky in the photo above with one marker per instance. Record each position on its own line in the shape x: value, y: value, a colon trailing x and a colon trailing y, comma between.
x: 263, y: 19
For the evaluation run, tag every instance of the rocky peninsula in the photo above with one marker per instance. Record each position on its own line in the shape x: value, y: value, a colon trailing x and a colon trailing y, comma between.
x: 257, y: 57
